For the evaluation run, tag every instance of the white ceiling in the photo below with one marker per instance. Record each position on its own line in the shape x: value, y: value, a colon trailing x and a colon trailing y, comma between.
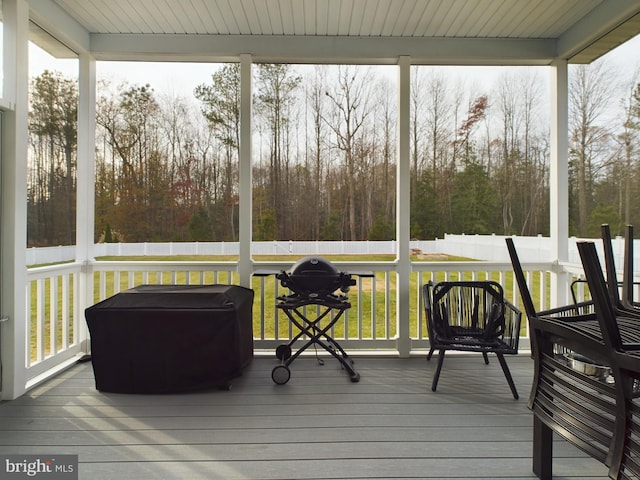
x: 367, y: 18
x: 376, y: 31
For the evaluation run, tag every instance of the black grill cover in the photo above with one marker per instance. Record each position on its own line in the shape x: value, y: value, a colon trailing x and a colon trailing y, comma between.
x: 171, y: 338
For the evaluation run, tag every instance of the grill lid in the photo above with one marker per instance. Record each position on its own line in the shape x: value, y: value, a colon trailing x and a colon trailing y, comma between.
x: 315, y: 277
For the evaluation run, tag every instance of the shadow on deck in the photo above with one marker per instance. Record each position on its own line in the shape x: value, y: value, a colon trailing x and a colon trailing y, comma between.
x: 320, y: 425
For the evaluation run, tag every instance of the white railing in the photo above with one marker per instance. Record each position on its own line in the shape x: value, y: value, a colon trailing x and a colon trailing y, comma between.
x: 53, y: 316
x: 369, y: 324
x: 55, y: 307
x: 56, y: 295
x: 114, y: 277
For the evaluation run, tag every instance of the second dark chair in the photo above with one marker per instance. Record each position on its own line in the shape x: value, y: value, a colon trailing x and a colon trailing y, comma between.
x: 471, y: 316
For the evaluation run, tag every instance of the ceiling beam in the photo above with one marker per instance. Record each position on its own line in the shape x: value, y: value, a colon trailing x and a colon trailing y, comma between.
x: 323, y: 49
x: 48, y: 15
x: 612, y: 23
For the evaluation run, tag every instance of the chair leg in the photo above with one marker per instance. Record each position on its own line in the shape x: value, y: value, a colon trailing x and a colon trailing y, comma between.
x: 430, y: 354
x: 486, y: 358
x: 436, y: 376
x: 542, y: 449
x: 507, y: 374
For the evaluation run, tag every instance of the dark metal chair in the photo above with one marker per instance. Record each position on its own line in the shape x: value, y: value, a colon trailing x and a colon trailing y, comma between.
x: 560, y: 404
x: 623, y: 360
x: 577, y: 401
x: 471, y: 316
x: 628, y: 283
x: 620, y: 291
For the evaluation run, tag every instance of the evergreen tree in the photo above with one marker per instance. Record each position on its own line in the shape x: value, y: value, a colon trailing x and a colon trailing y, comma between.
x: 53, y: 123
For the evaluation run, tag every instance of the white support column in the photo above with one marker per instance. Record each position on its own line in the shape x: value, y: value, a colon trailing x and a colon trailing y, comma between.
x: 85, y: 198
x: 245, y: 187
x: 14, y: 199
x: 559, y: 176
x: 403, y: 260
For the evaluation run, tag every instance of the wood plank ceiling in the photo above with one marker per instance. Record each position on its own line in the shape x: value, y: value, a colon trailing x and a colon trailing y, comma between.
x: 535, y: 30
x: 361, y: 18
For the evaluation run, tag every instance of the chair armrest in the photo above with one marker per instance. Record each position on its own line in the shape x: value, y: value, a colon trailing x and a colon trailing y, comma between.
x: 512, y: 324
x: 511, y: 306
x: 579, y: 311
x: 583, y: 337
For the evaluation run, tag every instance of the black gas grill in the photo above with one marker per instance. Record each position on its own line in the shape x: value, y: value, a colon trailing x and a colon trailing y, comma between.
x: 313, y: 281
x: 315, y: 277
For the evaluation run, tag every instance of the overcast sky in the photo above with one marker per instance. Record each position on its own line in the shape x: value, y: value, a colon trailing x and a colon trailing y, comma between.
x: 165, y: 77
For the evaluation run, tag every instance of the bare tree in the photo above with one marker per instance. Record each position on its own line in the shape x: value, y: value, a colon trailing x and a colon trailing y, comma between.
x: 628, y: 139
x: 350, y: 108
x: 127, y: 119
x: 388, y: 141
x: 317, y: 152
x: 276, y: 97
x: 53, y: 137
x: 590, y: 94
x: 521, y: 175
x: 220, y: 105
x: 438, y: 114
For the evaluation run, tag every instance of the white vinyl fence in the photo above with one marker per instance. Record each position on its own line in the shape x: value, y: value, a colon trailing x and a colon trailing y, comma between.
x: 479, y: 247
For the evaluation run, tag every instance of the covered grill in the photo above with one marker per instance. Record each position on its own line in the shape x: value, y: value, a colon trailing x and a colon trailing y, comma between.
x: 313, y: 281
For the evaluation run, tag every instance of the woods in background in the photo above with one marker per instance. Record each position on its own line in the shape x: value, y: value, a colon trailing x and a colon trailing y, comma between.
x: 324, y: 156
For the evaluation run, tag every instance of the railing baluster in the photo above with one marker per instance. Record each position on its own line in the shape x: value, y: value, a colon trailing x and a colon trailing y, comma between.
x: 275, y: 314
x: 103, y: 285
x: 53, y: 316
x: 374, y: 306
x: 387, y: 307
x: 360, y: 327
x: 66, y: 312
x: 418, y: 297
x: 262, y: 312
x: 41, y: 302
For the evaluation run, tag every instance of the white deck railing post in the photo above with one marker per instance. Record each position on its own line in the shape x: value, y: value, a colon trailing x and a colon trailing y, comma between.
x: 85, y: 198
x: 403, y: 206
x: 559, y: 176
x: 14, y: 198
x: 245, y: 161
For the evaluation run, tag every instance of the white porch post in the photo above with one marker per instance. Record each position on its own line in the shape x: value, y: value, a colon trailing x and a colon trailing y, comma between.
x: 14, y: 198
x: 85, y: 197
x: 559, y: 177
x: 403, y: 260
x: 245, y: 187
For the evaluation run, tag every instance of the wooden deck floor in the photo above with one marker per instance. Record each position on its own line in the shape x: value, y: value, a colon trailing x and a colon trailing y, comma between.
x: 318, y: 426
